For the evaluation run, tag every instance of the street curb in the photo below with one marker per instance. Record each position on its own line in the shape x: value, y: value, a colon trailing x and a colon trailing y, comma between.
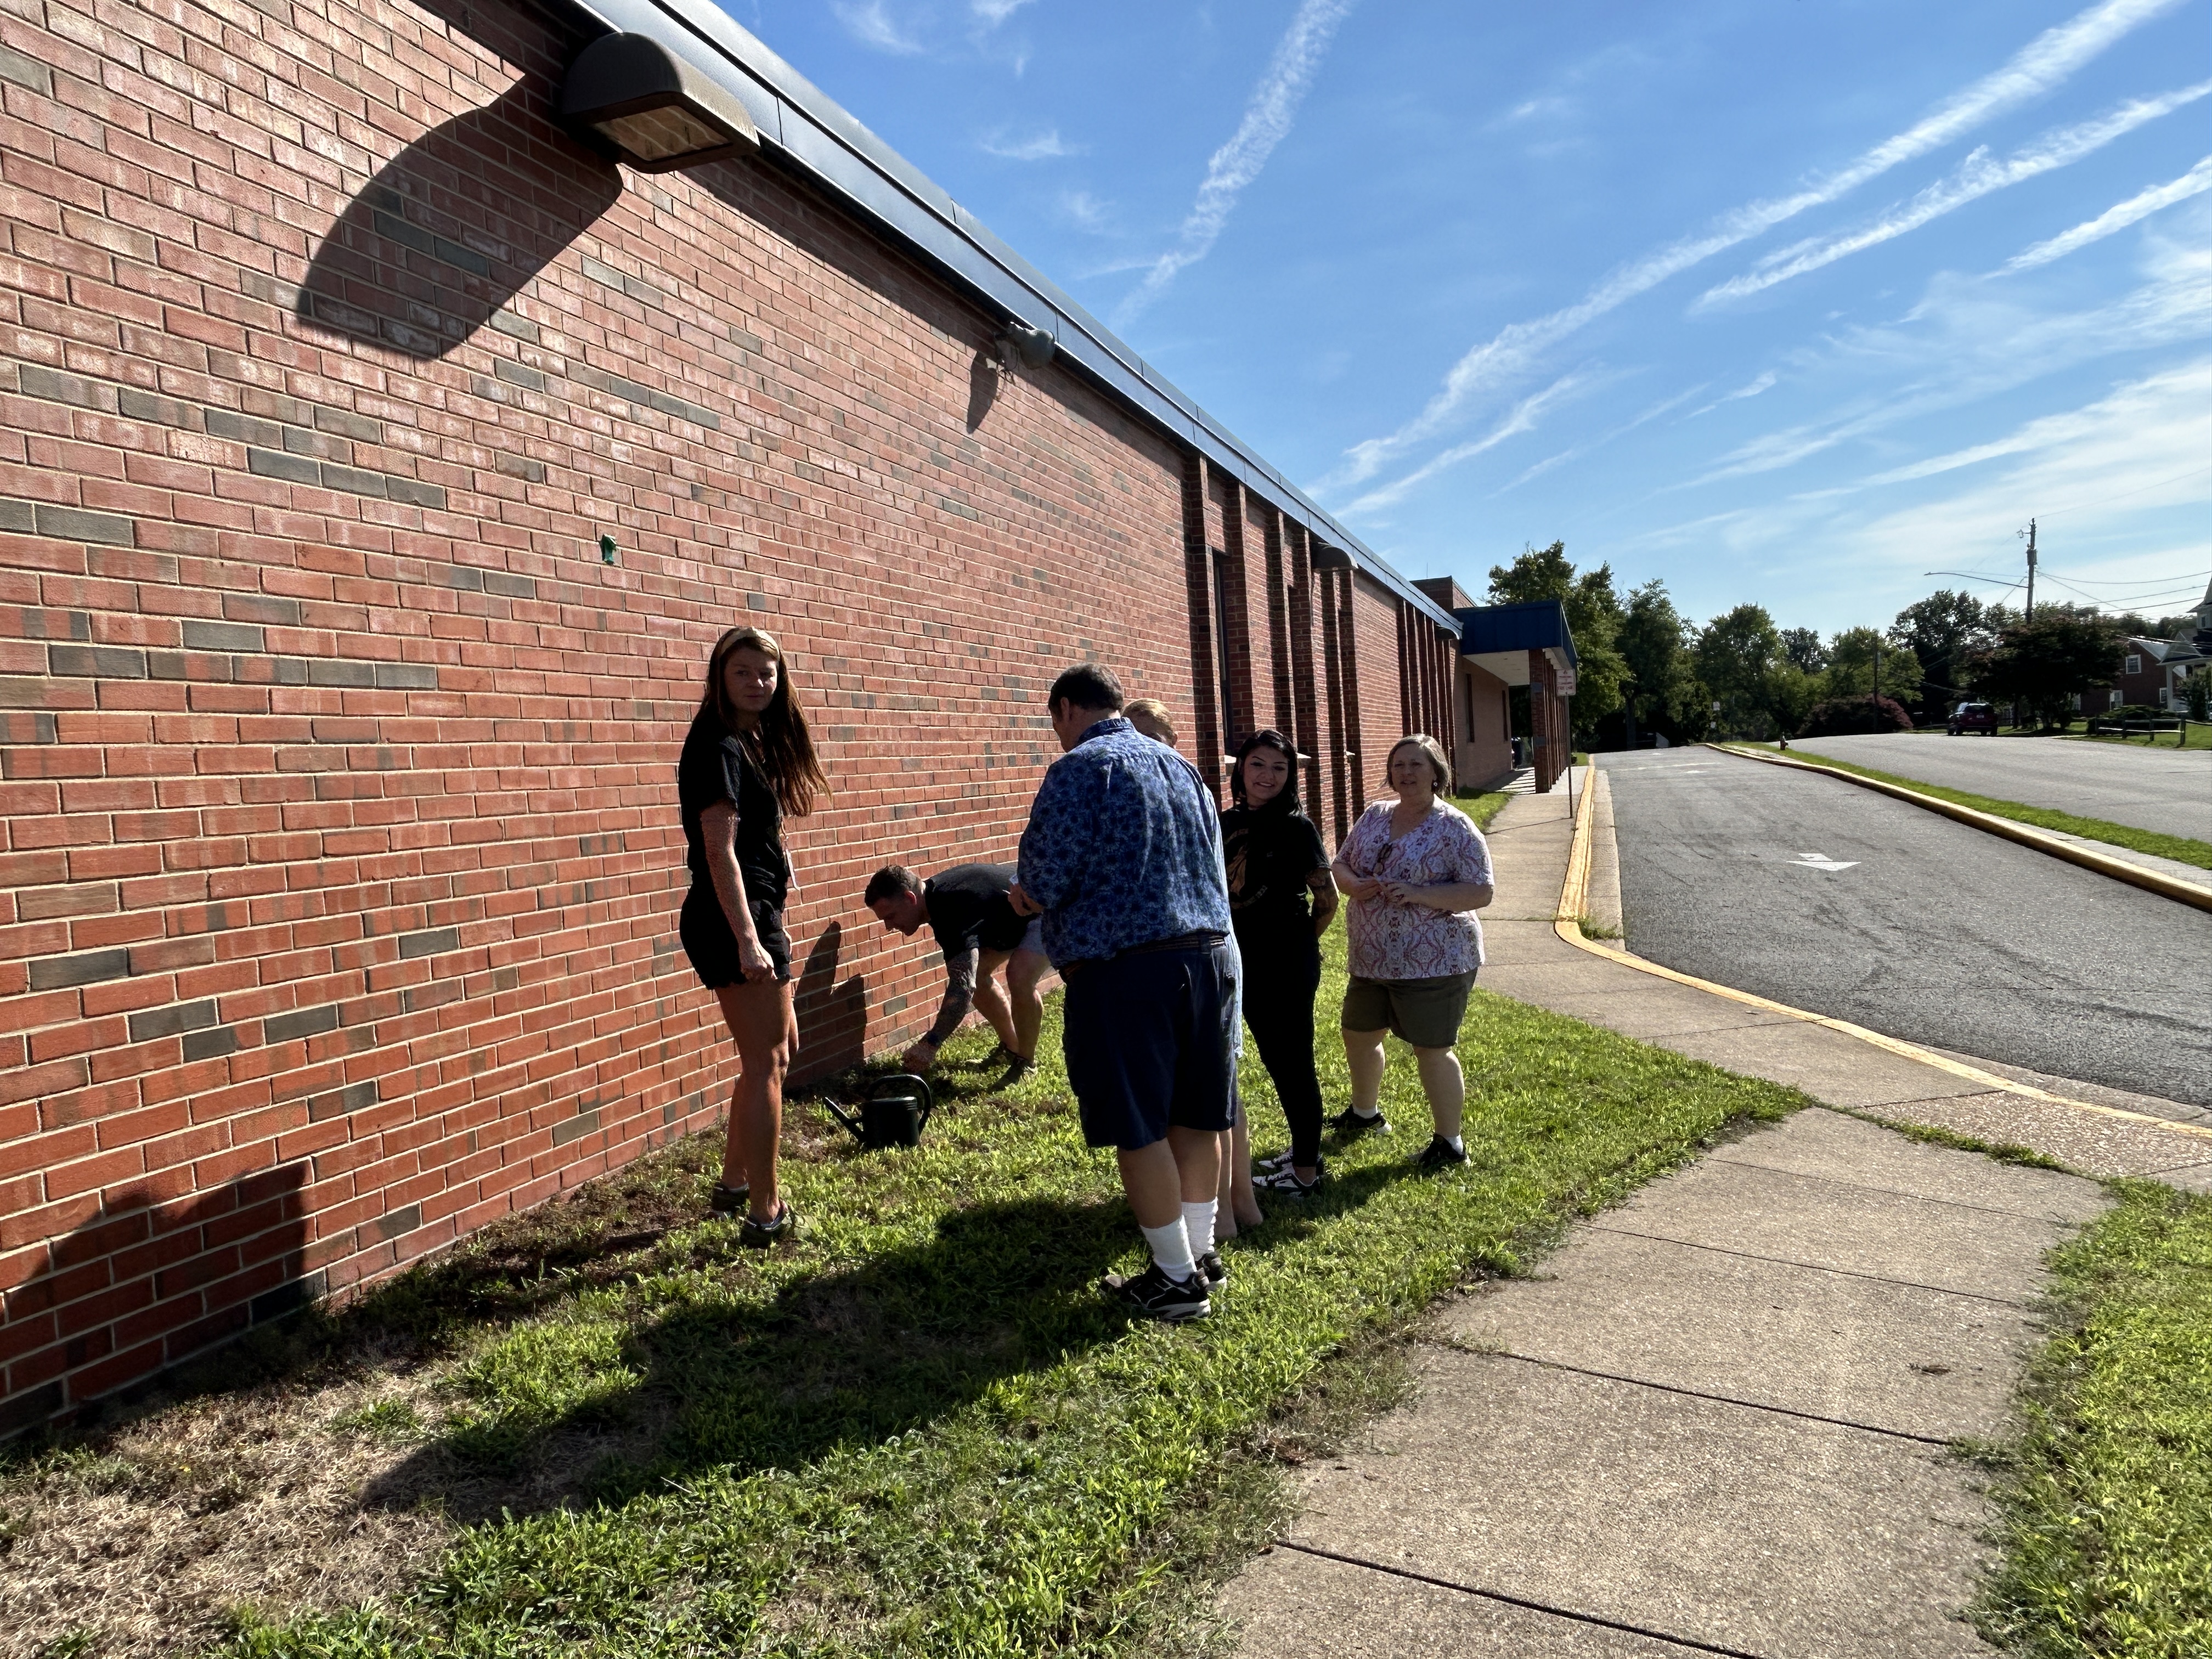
x: 2164, y: 886
x: 1574, y: 895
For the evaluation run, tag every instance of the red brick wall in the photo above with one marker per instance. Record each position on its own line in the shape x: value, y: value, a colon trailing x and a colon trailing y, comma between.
x: 1485, y: 749
x: 1374, y: 611
x: 341, y: 856
x: 342, y: 861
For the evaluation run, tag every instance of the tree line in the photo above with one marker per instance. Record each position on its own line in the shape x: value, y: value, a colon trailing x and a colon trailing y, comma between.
x: 1643, y: 667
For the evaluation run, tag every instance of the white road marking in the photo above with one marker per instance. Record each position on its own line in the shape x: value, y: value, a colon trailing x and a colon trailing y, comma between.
x: 1822, y: 861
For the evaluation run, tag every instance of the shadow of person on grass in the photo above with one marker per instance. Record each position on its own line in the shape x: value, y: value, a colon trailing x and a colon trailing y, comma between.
x: 844, y: 1358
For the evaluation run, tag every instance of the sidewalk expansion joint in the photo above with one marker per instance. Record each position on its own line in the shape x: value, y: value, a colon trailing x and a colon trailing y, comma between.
x: 1819, y: 1267
x: 1721, y: 1157
x: 1690, y: 1643
x: 1714, y: 1398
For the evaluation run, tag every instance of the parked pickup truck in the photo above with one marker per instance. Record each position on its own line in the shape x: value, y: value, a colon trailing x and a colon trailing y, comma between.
x: 1980, y: 717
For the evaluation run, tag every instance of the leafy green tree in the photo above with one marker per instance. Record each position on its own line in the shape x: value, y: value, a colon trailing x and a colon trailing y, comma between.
x: 1803, y: 647
x: 1791, y: 693
x: 1655, y: 643
x: 1947, y: 631
x: 1851, y: 670
x: 1593, y: 617
x: 2045, y: 664
x: 1736, y: 657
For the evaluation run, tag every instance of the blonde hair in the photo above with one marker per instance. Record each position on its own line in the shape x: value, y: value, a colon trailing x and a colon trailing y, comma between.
x: 1428, y: 746
x: 1147, y: 712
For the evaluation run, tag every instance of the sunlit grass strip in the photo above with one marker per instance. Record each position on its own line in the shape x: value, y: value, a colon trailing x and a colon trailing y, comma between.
x: 2181, y: 848
x: 2108, y: 1510
x: 921, y: 1431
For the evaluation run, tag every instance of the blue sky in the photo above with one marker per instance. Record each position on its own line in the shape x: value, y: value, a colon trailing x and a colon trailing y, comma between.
x: 1782, y: 300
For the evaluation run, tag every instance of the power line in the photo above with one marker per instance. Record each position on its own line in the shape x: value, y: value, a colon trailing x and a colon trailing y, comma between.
x: 2196, y: 576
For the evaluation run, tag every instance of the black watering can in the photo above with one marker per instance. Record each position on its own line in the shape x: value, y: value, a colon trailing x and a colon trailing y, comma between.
x: 895, y: 1113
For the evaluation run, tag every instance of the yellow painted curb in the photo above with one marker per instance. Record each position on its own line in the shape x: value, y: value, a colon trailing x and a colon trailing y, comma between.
x: 2173, y: 887
x: 1574, y: 895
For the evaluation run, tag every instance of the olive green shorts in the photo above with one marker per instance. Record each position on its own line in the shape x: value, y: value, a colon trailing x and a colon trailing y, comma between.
x: 1425, y: 1012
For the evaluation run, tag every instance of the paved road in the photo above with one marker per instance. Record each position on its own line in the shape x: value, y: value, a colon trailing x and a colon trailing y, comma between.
x: 1928, y: 931
x: 2168, y: 790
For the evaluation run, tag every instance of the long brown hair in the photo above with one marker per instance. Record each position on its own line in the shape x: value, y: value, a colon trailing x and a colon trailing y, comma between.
x: 783, y: 748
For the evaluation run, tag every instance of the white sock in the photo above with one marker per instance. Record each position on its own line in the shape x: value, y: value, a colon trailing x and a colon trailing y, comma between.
x: 1198, y: 1223
x: 1455, y: 1144
x: 1171, y: 1248
x: 1372, y: 1111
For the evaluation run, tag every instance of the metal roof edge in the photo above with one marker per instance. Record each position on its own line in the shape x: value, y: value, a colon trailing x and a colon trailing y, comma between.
x: 819, y: 135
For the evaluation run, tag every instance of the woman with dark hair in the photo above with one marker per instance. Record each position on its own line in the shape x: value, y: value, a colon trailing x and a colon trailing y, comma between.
x: 747, y: 764
x: 1281, y: 900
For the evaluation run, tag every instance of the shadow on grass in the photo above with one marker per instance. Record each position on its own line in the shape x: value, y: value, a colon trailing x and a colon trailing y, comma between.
x: 843, y: 1359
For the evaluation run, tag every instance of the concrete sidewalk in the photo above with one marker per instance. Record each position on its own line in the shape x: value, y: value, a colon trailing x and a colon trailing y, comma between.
x: 1716, y: 1420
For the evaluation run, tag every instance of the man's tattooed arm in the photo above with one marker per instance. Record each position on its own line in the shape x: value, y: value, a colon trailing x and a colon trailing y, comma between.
x: 959, y: 997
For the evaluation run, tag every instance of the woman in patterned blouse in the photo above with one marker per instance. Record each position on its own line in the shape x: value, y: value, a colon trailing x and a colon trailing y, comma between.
x: 1416, y: 872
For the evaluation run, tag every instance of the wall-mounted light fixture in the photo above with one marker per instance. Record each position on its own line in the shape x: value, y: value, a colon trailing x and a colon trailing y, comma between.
x: 657, y: 111
x: 1032, y: 347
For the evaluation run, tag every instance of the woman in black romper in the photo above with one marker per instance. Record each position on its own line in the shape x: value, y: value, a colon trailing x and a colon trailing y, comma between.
x: 747, y: 764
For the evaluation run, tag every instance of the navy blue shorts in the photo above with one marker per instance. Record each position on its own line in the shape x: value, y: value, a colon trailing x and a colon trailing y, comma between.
x: 1149, y: 1041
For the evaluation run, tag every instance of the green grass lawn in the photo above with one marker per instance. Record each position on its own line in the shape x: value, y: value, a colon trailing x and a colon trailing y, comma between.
x: 920, y: 1429
x: 2196, y: 735
x: 1481, y: 806
x: 2107, y: 1505
x: 2181, y: 848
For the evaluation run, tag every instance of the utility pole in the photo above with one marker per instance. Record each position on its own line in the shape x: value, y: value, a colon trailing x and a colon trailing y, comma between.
x: 2030, y: 617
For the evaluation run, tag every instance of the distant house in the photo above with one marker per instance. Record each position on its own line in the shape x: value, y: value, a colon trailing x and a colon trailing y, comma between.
x: 2153, y: 669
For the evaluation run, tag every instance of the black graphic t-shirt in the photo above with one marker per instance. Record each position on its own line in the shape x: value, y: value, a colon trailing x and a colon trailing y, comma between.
x: 716, y: 766
x: 1269, y: 854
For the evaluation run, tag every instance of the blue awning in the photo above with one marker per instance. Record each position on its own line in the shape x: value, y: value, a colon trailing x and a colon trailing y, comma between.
x: 1538, y: 625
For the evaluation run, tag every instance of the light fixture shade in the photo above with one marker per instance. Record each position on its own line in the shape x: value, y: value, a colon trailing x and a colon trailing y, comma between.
x: 656, y: 111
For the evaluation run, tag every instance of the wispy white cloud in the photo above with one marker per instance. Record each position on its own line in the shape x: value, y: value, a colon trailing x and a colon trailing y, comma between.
x: 1523, y: 416
x: 2148, y: 407
x: 991, y: 13
x: 1268, y: 116
x: 872, y: 25
x: 1985, y: 346
x: 1599, y: 442
x: 1977, y: 177
x: 2118, y: 217
x: 1086, y: 211
x: 1764, y: 383
x: 1043, y: 146
x: 2045, y: 63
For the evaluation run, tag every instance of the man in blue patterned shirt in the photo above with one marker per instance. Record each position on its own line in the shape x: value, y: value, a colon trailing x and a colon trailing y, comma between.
x: 1122, y: 855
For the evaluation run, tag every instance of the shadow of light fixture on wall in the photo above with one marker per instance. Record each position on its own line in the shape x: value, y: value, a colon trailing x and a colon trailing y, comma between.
x: 652, y: 109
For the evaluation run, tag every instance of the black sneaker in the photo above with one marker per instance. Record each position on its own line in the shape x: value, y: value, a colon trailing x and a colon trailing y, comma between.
x: 729, y: 1200
x: 1285, y: 1181
x: 1018, y: 1067
x: 1440, y: 1154
x: 759, y: 1234
x: 1155, y: 1295
x: 1215, y: 1270
x: 1350, y: 1125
